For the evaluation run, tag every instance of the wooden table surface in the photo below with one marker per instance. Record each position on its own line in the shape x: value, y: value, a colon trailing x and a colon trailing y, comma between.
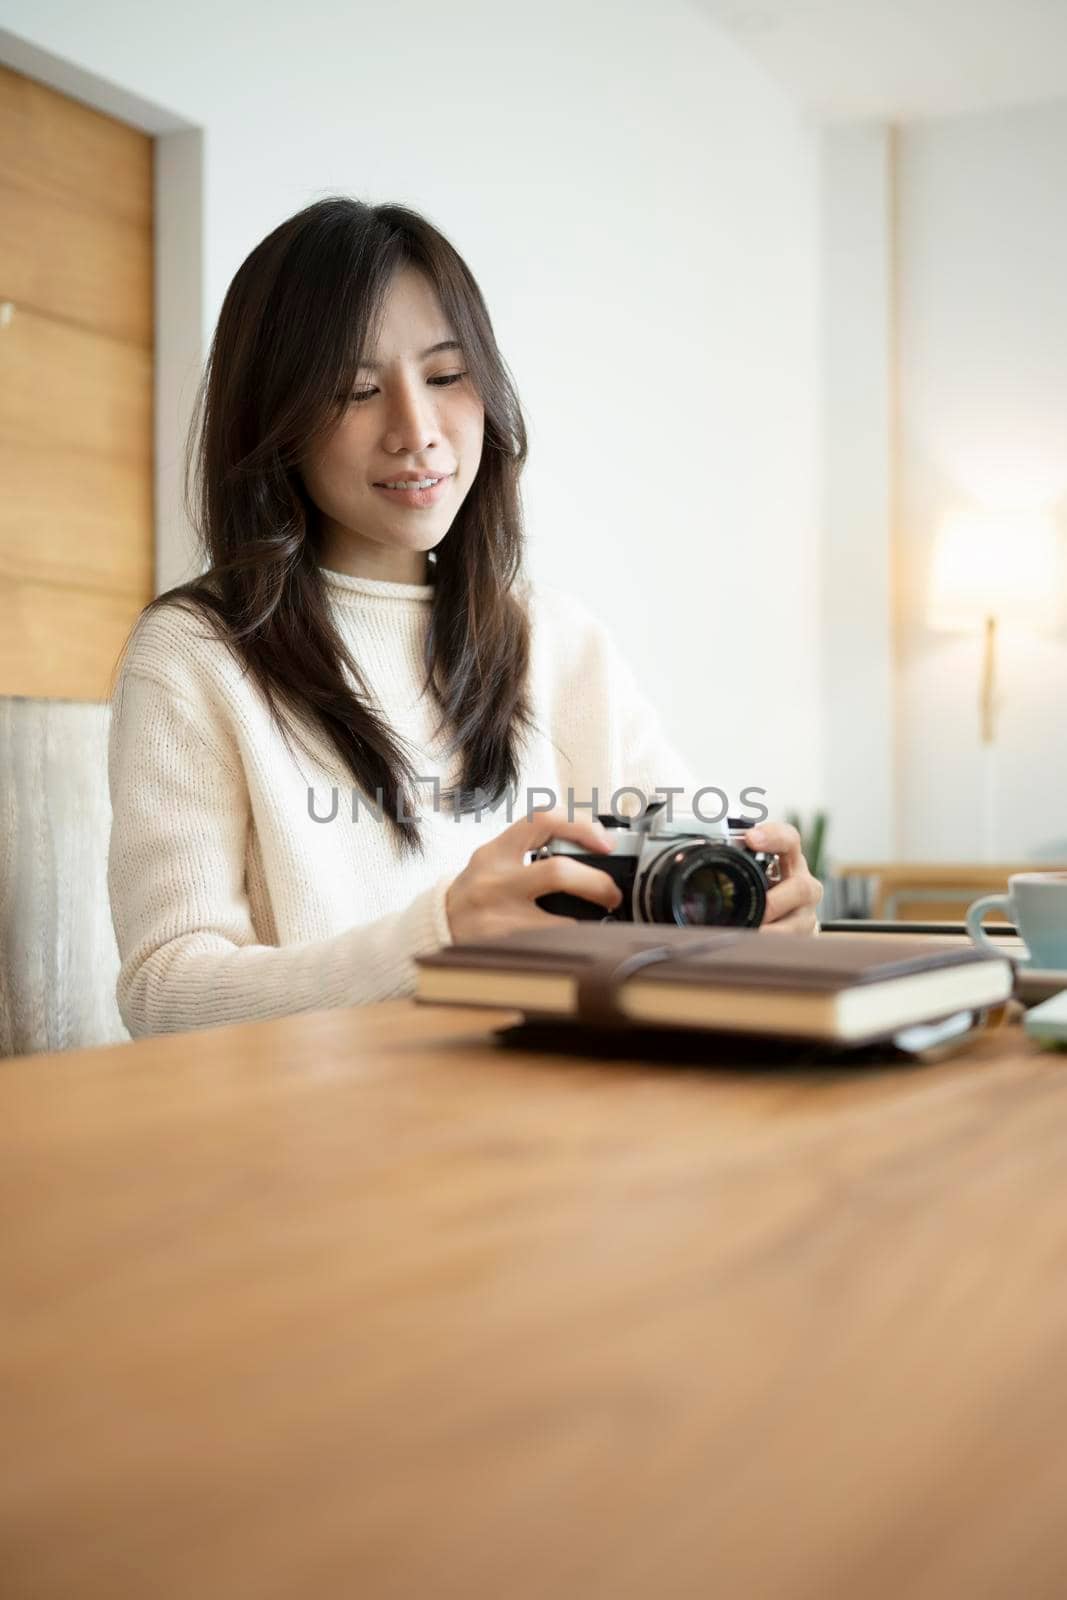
x: 357, y: 1304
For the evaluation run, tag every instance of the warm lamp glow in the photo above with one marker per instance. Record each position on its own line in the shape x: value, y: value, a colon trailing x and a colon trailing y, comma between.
x: 995, y: 564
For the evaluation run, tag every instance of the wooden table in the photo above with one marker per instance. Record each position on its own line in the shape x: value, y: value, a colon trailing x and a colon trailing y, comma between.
x: 929, y: 891
x: 356, y: 1304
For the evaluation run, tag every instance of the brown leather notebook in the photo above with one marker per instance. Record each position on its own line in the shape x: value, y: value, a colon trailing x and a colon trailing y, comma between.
x: 847, y: 990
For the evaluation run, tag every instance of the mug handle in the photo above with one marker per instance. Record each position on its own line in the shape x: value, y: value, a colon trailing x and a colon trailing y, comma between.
x: 975, y: 915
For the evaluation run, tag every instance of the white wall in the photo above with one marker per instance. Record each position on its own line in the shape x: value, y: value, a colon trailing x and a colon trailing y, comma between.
x: 944, y: 369
x: 982, y: 360
x: 857, y: 404
x: 639, y: 206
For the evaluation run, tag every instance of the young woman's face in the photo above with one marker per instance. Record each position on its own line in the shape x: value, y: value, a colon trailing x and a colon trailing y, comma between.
x: 413, y: 415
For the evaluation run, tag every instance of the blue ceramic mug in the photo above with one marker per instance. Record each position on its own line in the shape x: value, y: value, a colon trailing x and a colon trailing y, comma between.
x: 1037, y: 904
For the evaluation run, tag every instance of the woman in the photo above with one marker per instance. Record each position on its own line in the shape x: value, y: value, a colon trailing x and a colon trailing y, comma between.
x: 315, y: 745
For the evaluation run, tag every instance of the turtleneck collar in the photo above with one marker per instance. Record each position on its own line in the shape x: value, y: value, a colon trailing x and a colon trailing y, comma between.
x: 345, y: 584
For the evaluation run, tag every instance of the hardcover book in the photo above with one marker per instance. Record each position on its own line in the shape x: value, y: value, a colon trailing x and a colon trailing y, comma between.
x: 844, y: 990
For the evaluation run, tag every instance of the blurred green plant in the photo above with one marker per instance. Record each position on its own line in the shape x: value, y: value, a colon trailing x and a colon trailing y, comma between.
x: 812, y: 840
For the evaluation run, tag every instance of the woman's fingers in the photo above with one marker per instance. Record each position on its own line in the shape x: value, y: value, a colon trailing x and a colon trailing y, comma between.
x: 530, y: 833
x: 565, y: 875
x: 783, y: 840
x: 496, y: 889
x: 791, y: 904
x: 792, y: 901
x: 804, y: 920
x: 791, y: 894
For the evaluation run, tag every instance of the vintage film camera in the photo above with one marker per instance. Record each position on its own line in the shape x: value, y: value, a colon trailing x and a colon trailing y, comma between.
x: 692, y: 873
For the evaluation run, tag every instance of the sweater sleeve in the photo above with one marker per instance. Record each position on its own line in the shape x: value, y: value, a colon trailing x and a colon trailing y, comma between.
x: 189, y: 953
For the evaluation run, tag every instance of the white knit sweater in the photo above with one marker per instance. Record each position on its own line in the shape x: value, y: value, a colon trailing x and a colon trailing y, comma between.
x: 231, y: 902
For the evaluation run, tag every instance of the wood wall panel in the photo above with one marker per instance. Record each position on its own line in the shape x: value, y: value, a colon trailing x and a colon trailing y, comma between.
x: 76, y: 380
x: 76, y: 519
x: 93, y: 270
x: 61, y: 643
x: 62, y: 147
x: 79, y: 391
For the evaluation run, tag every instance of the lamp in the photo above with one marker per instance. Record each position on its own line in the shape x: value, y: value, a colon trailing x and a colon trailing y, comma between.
x: 990, y: 570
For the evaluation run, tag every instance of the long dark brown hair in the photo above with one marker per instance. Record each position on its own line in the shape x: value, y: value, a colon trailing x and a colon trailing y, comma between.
x: 291, y: 335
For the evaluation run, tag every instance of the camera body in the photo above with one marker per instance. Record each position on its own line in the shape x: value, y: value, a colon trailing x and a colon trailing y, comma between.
x: 683, y: 871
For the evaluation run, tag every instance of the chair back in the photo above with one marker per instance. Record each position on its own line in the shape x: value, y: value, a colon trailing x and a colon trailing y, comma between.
x: 58, y: 959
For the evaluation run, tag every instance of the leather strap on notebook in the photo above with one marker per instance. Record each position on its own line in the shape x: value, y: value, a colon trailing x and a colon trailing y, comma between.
x: 599, y: 982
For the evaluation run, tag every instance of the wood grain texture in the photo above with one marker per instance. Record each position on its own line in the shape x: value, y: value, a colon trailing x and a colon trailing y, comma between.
x: 76, y: 378
x: 61, y: 643
x: 57, y: 146
x: 64, y: 386
x: 76, y: 519
x: 355, y: 1303
x: 77, y: 265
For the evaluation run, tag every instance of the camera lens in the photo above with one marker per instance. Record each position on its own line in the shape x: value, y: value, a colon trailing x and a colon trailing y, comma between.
x: 707, y: 895
x: 706, y: 885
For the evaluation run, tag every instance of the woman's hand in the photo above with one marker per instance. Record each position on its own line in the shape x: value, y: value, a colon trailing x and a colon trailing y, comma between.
x: 496, y: 890
x: 791, y: 903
